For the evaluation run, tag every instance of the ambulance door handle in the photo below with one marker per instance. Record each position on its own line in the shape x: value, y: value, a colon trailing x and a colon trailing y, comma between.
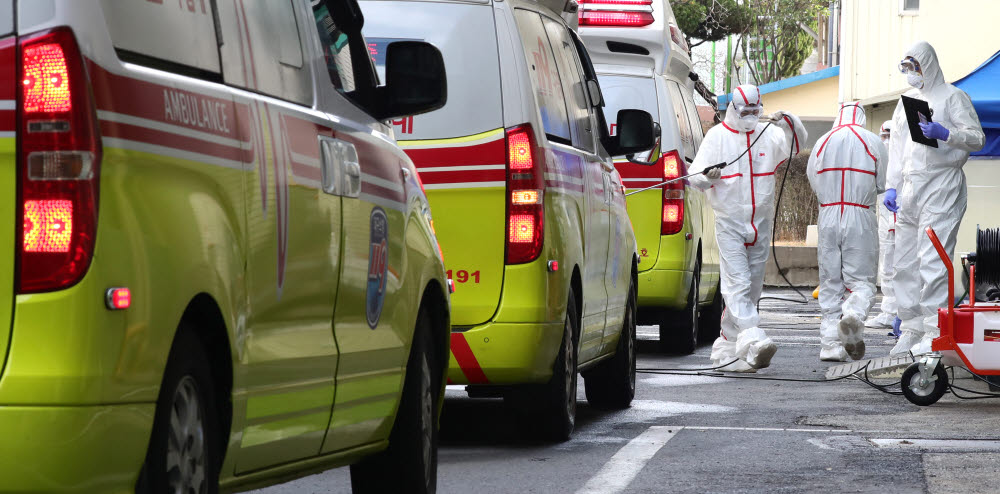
x: 340, y: 167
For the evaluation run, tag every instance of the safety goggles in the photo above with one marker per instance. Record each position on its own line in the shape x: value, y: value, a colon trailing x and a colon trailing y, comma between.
x: 909, y: 64
x: 750, y: 110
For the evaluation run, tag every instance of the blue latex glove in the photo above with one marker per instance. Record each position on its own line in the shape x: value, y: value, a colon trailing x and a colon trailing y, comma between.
x: 934, y: 130
x: 890, y: 200
x: 895, y: 327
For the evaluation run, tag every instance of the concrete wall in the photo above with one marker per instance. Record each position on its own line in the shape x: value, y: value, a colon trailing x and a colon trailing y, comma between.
x: 799, y: 265
x: 875, y: 34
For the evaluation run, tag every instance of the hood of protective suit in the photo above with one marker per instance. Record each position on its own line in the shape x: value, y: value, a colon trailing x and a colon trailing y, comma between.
x: 851, y: 114
x: 746, y: 95
x: 925, y: 55
x: 886, y: 127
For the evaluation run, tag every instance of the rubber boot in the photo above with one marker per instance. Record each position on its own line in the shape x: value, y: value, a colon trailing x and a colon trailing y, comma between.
x: 851, y: 331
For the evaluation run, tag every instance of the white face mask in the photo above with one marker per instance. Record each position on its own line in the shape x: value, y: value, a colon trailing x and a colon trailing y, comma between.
x: 748, y: 123
x: 915, y: 79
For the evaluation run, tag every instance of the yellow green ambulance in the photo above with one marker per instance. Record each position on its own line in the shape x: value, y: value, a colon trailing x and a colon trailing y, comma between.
x: 529, y: 209
x: 227, y: 274
x: 642, y: 62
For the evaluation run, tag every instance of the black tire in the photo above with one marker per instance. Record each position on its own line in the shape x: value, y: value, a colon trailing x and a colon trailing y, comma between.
x: 710, y: 323
x: 410, y: 462
x: 611, y: 385
x: 679, y: 331
x: 188, y: 392
x: 928, y: 394
x: 558, y: 412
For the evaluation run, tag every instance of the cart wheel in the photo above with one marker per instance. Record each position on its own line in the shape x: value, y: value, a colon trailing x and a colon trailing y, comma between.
x: 924, y: 393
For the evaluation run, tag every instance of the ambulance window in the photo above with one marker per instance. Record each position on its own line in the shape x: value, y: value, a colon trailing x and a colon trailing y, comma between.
x: 693, y: 117
x: 273, y: 49
x: 573, y: 85
x: 336, y: 50
x: 544, y: 76
x: 683, y: 125
x: 171, y: 36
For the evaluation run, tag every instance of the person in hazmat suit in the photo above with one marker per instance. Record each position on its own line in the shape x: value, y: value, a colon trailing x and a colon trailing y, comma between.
x: 742, y: 196
x: 847, y: 172
x: 927, y: 189
x: 886, y: 240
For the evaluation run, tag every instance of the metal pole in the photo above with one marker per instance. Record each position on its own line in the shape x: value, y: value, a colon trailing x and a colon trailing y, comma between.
x: 712, y: 77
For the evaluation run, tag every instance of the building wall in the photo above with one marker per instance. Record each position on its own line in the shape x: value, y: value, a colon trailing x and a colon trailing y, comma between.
x: 814, y: 100
x: 875, y: 36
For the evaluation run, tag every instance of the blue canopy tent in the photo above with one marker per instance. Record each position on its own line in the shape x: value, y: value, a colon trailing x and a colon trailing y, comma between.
x: 983, y: 86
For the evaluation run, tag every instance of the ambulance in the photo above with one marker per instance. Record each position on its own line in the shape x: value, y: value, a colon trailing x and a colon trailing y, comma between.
x: 528, y: 206
x: 227, y: 274
x: 642, y: 61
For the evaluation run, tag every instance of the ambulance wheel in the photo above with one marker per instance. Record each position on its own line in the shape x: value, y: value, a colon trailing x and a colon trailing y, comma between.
x: 558, y: 400
x: 679, y: 331
x: 611, y: 385
x: 710, y: 323
x: 184, y: 447
x: 410, y: 463
x: 927, y: 393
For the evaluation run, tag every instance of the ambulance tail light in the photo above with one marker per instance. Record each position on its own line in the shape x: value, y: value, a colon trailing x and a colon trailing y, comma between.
x: 525, y: 186
x: 616, y: 13
x: 58, y: 163
x: 672, y: 218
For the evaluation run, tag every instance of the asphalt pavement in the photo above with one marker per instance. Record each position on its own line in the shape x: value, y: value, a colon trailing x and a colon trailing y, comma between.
x: 708, y: 434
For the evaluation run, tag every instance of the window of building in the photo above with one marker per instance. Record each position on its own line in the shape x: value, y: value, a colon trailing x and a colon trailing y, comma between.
x: 909, y: 6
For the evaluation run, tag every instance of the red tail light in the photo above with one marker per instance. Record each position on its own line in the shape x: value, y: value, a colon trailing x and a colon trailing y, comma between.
x: 672, y: 220
x: 58, y: 163
x: 596, y: 18
x: 617, y: 2
x: 525, y: 184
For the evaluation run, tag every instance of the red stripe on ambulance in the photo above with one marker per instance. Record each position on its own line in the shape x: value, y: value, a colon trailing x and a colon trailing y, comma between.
x: 467, y: 360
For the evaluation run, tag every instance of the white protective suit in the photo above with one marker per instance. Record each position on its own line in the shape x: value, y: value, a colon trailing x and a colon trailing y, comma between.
x: 886, y: 244
x: 846, y: 171
x: 931, y: 191
x: 743, y: 200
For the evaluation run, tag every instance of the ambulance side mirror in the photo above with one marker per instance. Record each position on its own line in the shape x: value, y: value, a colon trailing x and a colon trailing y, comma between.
x: 635, y: 134
x: 415, y: 81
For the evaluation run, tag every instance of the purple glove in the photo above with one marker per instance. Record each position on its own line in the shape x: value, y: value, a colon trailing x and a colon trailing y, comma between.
x: 934, y: 130
x: 890, y: 200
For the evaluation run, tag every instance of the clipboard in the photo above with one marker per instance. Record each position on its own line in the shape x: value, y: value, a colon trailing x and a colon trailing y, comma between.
x: 918, y: 111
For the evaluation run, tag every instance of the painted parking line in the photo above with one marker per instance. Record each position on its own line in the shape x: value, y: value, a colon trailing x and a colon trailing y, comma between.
x: 625, y: 465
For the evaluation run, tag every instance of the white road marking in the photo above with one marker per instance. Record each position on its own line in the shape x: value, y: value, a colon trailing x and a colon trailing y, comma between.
x: 939, y: 444
x: 677, y: 380
x: 625, y: 465
x: 760, y: 429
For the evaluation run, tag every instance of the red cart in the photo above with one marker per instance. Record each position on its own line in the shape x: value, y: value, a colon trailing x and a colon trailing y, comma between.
x: 970, y: 338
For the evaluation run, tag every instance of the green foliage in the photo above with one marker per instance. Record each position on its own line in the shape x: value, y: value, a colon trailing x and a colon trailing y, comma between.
x: 711, y: 20
x: 775, y: 43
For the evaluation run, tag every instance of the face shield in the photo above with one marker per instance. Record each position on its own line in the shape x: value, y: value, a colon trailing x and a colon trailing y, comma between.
x: 749, y: 115
x: 911, y: 68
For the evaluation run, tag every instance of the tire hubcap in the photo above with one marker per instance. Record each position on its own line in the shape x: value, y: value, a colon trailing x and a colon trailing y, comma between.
x: 186, y: 441
x: 921, y: 387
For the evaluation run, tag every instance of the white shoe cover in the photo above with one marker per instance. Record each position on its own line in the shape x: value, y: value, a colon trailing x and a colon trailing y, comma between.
x: 923, y: 347
x: 882, y: 320
x: 906, y: 341
x: 851, y: 331
x: 760, y: 353
x: 834, y: 354
x: 746, y: 339
x: 737, y: 366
